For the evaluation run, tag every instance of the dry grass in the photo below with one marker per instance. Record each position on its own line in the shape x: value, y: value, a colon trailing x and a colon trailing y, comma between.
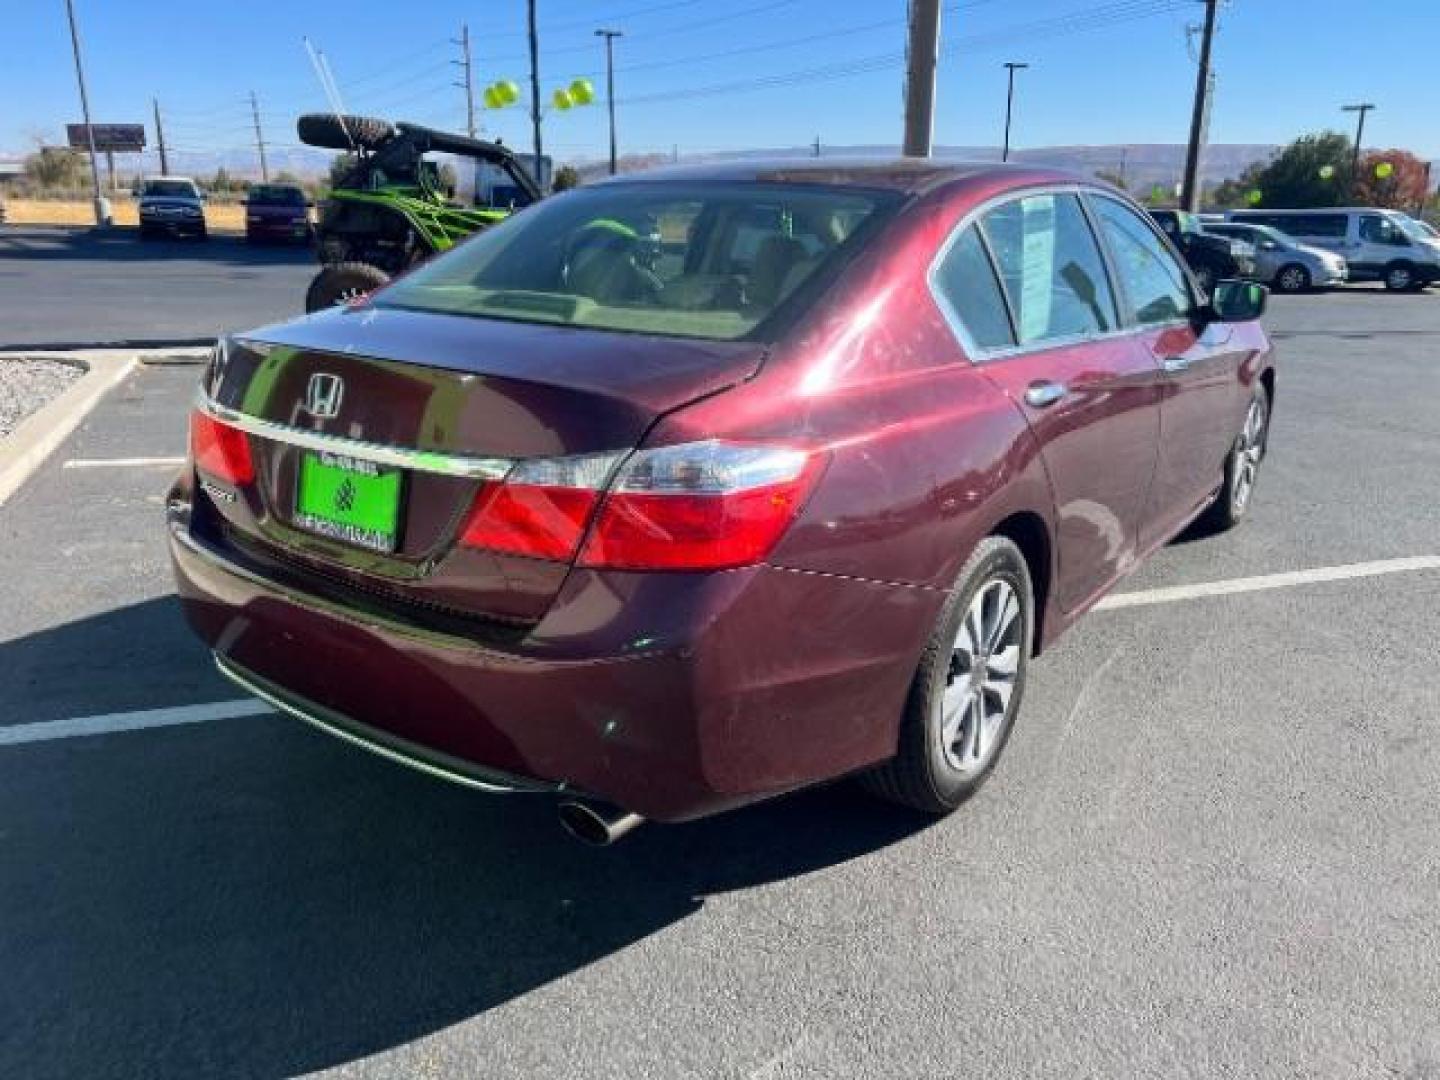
x: 218, y: 216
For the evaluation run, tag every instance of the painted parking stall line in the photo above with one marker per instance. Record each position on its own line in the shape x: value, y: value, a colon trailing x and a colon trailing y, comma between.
x: 125, y: 463
x: 1288, y: 579
x: 111, y: 723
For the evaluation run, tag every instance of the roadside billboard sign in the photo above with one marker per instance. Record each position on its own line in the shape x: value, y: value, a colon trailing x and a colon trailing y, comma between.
x: 120, y: 138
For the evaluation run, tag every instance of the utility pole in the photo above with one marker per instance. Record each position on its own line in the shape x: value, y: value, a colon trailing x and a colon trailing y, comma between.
x: 535, y: 92
x: 102, y: 209
x: 1362, y: 109
x: 921, y: 57
x: 468, y: 85
x: 610, y: 36
x: 1124, y: 161
x: 1200, y: 118
x: 259, y: 138
x: 815, y: 147
x: 1010, y: 105
x: 160, y: 139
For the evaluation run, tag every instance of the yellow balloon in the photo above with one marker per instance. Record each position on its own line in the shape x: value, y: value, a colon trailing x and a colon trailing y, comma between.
x: 1255, y: 197
x: 509, y: 92
x: 1327, y: 172
x: 562, y: 100
x: 1384, y: 170
x: 582, y: 92
x: 493, y: 99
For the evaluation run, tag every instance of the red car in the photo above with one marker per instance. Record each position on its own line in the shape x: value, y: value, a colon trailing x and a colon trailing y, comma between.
x: 277, y: 212
x: 683, y: 490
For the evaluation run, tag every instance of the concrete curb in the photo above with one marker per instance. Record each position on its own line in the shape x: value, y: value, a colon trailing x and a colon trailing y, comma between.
x: 25, y: 449
x: 86, y: 346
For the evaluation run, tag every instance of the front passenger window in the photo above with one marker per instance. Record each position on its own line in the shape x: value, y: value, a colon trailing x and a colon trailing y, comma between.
x: 1152, y: 277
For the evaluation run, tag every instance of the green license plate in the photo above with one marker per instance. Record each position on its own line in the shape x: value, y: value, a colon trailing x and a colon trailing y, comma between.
x: 348, y: 499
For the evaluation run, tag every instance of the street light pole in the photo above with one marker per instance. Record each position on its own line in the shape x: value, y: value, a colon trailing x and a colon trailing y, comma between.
x: 98, y: 201
x: 610, y: 36
x: 1010, y: 106
x: 534, y: 37
x: 1362, y: 109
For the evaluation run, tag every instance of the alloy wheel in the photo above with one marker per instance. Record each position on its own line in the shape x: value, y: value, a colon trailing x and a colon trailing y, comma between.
x: 1292, y: 279
x: 980, y: 682
x: 1249, y: 450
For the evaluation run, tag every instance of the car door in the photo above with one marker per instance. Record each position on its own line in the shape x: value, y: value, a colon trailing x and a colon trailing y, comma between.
x: 1202, y: 391
x: 1088, y: 393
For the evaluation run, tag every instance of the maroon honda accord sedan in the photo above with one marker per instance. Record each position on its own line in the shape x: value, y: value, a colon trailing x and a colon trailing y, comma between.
x: 687, y: 489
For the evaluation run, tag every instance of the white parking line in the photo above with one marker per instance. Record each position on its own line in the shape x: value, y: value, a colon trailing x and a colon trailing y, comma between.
x: 124, y: 463
x: 1285, y: 580
x: 49, y: 730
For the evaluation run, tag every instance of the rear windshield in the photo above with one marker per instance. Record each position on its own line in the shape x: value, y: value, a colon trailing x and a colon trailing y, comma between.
x: 181, y: 188
x: 276, y: 196
x: 702, y: 260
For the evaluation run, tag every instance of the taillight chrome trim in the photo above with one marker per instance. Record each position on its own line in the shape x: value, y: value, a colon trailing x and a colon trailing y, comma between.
x: 426, y: 461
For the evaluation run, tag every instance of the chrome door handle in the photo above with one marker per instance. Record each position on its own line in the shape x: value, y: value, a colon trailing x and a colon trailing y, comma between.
x: 1044, y: 394
x: 1173, y: 365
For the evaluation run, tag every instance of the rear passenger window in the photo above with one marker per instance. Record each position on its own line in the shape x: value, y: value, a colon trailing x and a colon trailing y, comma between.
x: 1051, y: 268
x: 1153, y: 278
x: 966, y: 282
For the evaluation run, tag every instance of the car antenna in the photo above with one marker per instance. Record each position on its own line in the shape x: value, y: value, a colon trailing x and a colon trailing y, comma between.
x: 330, y: 88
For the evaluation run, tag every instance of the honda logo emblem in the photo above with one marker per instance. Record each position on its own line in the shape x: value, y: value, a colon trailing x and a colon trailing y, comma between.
x: 323, y: 394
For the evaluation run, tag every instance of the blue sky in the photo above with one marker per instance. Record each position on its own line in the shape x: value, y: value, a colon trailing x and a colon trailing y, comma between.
x: 1103, y: 71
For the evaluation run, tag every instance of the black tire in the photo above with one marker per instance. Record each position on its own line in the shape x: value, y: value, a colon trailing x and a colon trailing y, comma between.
x: 325, y: 130
x: 1399, y: 277
x: 1236, y: 495
x: 341, y: 283
x: 922, y: 775
x: 1292, y: 278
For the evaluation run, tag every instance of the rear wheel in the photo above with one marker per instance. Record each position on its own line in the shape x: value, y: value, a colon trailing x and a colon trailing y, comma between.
x: 1292, y: 278
x: 341, y: 283
x: 1399, y: 277
x: 967, y: 690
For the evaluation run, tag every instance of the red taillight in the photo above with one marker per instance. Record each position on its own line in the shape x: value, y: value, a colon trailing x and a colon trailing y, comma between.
x: 700, y: 506
x: 541, y: 508
x: 220, y: 450
x: 526, y: 519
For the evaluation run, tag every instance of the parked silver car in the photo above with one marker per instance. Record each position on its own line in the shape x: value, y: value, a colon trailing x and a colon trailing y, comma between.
x: 1282, y: 262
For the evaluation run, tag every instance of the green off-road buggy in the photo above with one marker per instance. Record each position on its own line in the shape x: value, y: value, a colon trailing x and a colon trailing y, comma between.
x: 391, y: 210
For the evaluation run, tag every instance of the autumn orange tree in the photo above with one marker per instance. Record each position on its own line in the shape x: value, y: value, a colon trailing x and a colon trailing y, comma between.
x: 1391, y: 178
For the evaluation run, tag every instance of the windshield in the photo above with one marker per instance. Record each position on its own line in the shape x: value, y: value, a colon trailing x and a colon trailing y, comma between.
x: 176, y: 188
x: 1411, y: 228
x: 276, y: 196
x: 700, y: 260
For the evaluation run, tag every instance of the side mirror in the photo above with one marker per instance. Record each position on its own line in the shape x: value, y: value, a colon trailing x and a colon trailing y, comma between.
x: 1237, y: 301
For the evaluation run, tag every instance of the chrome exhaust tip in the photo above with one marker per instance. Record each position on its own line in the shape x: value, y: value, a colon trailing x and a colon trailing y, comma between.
x: 595, y: 823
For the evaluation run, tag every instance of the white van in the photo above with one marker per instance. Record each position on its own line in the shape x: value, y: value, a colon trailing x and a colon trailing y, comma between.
x: 1379, y: 245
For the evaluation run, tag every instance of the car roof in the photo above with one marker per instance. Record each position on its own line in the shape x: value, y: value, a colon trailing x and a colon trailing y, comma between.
x: 909, y: 175
x: 168, y: 179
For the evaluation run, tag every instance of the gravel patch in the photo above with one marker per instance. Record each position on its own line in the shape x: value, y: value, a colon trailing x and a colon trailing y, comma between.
x: 26, y: 383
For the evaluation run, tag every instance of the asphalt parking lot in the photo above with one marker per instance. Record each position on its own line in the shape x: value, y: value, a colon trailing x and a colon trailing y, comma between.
x: 1211, y: 849
x: 95, y: 287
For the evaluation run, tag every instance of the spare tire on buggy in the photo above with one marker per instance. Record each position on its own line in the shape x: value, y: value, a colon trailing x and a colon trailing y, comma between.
x: 331, y: 131
x: 341, y: 283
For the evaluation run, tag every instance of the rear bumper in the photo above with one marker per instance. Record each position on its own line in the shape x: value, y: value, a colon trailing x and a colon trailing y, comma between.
x: 670, y: 695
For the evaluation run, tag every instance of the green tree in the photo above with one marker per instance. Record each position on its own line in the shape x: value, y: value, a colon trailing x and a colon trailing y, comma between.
x: 566, y: 177
x: 1314, y: 170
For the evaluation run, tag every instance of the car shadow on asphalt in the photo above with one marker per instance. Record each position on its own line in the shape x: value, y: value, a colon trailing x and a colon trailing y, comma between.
x: 250, y: 898
x: 125, y: 245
